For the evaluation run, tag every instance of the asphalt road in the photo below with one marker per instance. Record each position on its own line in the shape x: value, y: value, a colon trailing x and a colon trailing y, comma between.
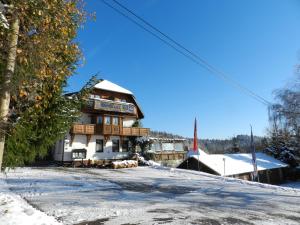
x: 152, y: 196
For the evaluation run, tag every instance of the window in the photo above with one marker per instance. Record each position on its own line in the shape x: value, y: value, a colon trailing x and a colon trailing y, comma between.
x: 107, y: 120
x: 115, y: 145
x: 99, y: 145
x: 115, y: 121
x: 99, y: 120
x: 125, y: 146
x: 156, y: 146
x: 167, y: 146
x: 178, y: 146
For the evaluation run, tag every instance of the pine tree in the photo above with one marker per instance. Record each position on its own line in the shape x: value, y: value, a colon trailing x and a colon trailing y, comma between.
x: 46, y: 55
x: 284, y: 119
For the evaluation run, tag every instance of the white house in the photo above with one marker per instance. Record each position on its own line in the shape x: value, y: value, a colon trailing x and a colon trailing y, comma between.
x: 106, y: 126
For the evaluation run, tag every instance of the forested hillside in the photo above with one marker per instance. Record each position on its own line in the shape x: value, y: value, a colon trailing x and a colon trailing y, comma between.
x: 239, y: 143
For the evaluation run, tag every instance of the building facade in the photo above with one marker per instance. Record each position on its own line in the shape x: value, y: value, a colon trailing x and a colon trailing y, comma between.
x: 105, y: 128
x: 167, y: 151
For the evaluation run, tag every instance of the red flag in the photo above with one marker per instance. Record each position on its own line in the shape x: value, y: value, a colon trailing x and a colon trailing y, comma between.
x: 195, y: 137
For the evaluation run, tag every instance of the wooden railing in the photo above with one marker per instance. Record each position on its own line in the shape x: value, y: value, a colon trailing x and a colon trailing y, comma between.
x: 109, y: 130
x: 135, y: 131
x: 83, y: 129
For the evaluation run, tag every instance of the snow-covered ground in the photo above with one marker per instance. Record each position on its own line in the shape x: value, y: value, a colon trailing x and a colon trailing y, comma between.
x: 144, y: 195
x: 292, y: 184
x: 15, y: 210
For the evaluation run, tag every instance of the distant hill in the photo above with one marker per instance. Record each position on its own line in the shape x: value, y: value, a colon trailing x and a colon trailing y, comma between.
x: 237, y: 144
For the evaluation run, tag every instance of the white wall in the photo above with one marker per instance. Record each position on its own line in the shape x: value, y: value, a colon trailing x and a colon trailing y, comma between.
x: 79, y: 142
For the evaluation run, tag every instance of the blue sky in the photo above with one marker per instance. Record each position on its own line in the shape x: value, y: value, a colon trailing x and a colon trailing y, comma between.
x: 255, y: 42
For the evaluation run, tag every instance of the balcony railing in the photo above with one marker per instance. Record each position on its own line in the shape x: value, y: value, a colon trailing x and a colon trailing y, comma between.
x: 83, y: 129
x: 112, y: 106
x: 135, y: 131
x: 93, y: 129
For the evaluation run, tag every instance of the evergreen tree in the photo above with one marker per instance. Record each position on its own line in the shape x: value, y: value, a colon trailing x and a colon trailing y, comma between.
x: 284, y: 119
x: 46, y: 55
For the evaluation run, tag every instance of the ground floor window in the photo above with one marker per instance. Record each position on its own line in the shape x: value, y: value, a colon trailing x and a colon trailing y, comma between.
x: 99, y: 145
x: 125, y: 146
x: 115, y: 145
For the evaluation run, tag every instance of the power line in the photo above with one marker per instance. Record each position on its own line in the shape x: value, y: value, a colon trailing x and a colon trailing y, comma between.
x: 182, y: 50
x: 211, y: 68
x: 149, y: 31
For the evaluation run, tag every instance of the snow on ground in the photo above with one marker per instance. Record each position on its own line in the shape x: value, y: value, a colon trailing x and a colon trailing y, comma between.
x: 292, y: 184
x: 14, y: 210
x: 148, y: 162
x: 146, y: 195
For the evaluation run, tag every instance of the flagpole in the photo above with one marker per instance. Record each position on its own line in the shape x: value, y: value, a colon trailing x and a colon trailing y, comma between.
x: 198, y: 161
x: 255, y: 173
x: 195, y: 147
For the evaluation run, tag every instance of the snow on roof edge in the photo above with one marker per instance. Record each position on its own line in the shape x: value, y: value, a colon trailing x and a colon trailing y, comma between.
x: 110, y: 86
x: 236, y: 163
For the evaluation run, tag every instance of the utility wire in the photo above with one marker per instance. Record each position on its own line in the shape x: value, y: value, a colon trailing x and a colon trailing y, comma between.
x: 151, y: 32
x: 208, y: 66
x: 182, y: 50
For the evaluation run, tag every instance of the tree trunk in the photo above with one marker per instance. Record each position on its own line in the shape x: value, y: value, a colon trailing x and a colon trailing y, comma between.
x: 6, y: 85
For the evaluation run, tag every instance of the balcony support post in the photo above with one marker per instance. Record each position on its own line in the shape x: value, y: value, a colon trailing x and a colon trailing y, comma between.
x: 72, y: 139
x: 88, y: 138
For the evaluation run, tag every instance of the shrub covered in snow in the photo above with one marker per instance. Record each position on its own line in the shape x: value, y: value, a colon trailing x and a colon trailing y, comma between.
x: 283, y: 153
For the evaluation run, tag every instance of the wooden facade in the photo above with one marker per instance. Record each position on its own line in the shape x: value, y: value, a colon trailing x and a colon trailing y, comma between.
x: 167, y: 151
x: 101, y: 129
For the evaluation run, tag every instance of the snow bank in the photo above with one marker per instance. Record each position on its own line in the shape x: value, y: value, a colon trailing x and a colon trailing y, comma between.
x: 231, y: 180
x: 16, y: 211
x: 148, y: 162
x: 124, y: 164
x: 292, y: 184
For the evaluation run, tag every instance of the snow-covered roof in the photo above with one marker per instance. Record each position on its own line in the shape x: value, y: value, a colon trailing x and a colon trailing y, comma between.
x: 109, y: 86
x: 236, y: 163
x: 167, y: 139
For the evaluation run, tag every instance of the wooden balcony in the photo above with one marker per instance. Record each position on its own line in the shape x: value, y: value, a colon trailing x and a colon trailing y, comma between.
x: 111, y: 130
x: 135, y: 131
x: 92, y: 129
x: 83, y: 129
